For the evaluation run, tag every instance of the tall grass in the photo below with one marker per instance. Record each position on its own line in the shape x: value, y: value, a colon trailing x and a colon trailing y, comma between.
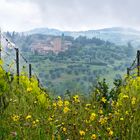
x: 29, y: 113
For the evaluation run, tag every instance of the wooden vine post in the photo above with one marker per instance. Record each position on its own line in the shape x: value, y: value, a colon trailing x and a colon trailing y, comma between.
x: 17, y: 63
x: 138, y: 62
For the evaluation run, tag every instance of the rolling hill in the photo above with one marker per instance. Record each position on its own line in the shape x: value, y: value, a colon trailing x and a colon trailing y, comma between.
x: 116, y: 35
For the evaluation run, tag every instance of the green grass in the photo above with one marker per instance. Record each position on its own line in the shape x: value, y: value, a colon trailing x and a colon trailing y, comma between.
x: 28, y: 112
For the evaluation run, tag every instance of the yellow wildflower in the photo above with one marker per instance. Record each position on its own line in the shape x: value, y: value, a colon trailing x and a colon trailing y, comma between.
x: 64, y: 129
x: 100, y: 111
x: 37, y: 121
x: 76, y: 99
x: 103, y: 120
x: 110, y: 115
x: 97, y: 90
x: 125, y: 96
x: 15, y: 118
x: 110, y: 133
x: 92, y: 117
x: 82, y: 133
x: 133, y: 101
x: 28, y: 117
x: 87, y: 121
x: 35, y: 102
x: 34, y: 123
x: 66, y: 109
x: 103, y: 100
x: 93, y: 136
x: 60, y: 103
x: 54, y: 104
x: 94, y: 106
x: 41, y: 98
x: 116, y: 113
x: 112, y: 103
x: 108, y: 129
x: 50, y: 118
x: 121, y: 119
x: 88, y: 105
x: 66, y: 103
x: 117, y: 104
x: 86, y: 108
x: 59, y: 97
x: 29, y: 89
x: 126, y: 112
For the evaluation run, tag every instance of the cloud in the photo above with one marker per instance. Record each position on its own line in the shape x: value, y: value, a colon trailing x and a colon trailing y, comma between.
x: 74, y: 14
x: 18, y: 15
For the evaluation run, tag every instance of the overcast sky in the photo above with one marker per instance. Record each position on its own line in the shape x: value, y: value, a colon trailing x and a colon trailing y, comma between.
x: 21, y: 15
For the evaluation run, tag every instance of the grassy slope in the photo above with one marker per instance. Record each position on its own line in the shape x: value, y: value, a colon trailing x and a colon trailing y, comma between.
x: 27, y: 112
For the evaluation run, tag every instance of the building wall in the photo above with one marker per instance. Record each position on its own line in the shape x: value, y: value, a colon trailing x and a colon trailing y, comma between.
x: 57, y: 44
x: 54, y: 44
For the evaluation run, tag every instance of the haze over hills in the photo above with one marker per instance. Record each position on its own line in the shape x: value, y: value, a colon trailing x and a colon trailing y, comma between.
x: 63, y: 62
x: 116, y: 35
x: 74, y: 60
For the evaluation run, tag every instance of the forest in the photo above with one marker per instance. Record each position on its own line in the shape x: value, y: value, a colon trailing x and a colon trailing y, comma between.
x: 80, y: 66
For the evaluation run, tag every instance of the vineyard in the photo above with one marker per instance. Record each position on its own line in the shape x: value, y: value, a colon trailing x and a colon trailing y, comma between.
x: 28, y: 112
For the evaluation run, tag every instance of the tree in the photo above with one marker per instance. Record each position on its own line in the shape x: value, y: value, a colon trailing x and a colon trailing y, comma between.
x: 129, y: 50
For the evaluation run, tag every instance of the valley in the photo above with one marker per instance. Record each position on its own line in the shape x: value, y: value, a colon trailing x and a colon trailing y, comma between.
x: 64, y: 63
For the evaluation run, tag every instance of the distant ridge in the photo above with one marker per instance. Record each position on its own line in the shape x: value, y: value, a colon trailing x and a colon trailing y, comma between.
x: 52, y: 31
x: 116, y: 35
x: 46, y: 31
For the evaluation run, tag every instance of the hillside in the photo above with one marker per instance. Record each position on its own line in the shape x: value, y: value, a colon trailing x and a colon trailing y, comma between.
x: 116, y: 35
x: 77, y: 67
x: 28, y: 112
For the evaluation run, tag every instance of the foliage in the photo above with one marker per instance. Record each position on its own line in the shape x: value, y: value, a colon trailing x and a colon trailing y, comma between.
x: 32, y: 113
x: 82, y: 63
x: 79, y: 66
